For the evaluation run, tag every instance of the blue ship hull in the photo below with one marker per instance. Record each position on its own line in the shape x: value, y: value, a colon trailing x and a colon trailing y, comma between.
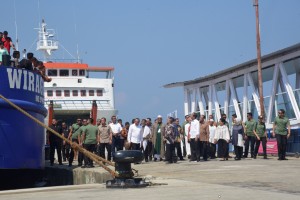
x: 21, y: 139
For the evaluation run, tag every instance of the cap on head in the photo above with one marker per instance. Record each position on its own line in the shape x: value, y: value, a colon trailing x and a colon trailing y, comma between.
x: 159, y: 116
x: 211, y: 120
x: 5, y: 33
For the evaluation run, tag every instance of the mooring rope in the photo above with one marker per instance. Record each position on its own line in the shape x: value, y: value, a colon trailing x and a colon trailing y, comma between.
x: 99, y: 160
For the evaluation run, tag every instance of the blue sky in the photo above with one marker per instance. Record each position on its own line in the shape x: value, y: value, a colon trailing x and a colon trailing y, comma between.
x: 155, y: 42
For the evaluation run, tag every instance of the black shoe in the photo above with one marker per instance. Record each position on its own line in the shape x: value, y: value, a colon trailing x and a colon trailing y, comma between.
x: 245, y: 156
x: 90, y: 166
x: 160, y: 159
x: 254, y: 157
x: 83, y: 166
x: 181, y: 159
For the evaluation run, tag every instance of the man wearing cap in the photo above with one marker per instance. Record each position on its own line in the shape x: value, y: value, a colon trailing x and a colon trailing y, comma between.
x: 158, y: 131
x: 7, y: 42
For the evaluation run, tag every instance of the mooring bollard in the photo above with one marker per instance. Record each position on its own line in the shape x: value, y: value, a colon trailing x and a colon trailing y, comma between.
x: 123, y: 160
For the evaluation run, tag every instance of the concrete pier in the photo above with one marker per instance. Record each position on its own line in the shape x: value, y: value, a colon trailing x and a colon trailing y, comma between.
x: 245, y: 179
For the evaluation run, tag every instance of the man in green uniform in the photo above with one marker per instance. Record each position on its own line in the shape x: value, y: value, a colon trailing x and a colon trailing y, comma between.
x: 282, y: 131
x: 73, y: 135
x: 260, y: 135
x: 80, y: 141
x: 249, y: 127
x: 89, y: 141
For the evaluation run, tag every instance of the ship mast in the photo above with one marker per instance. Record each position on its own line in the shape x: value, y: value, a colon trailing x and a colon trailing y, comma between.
x: 46, y: 43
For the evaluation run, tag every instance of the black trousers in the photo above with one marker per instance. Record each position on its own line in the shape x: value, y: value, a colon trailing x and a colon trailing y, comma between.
x: 222, y: 148
x: 148, y: 151
x: 178, y: 150
x: 195, y: 150
x: 212, y: 150
x: 90, y: 148
x: 238, y: 151
x: 55, y: 145
x: 65, y: 151
x: 135, y: 146
x: 250, y: 139
x: 204, y: 149
x: 264, y: 145
x: 170, y: 153
x: 115, y: 145
x: 102, y: 147
x: 281, y: 145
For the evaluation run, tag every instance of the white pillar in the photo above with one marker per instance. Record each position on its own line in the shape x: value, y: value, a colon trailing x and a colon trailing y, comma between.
x: 254, y: 93
x: 186, y: 101
x: 227, y: 98
x: 235, y: 99
x: 245, y: 98
x: 216, y: 102
x: 273, y: 93
x: 193, y: 97
x: 289, y: 90
x: 200, y: 102
x: 297, y: 86
x: 210, y: 100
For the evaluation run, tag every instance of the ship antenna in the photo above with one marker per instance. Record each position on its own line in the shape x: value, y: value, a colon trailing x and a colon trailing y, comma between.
x: 75, y: 27
x: 46, y: 43
x: 17, y: 40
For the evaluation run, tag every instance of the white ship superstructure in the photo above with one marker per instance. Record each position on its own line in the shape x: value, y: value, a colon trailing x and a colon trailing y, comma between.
x: 75, y: 86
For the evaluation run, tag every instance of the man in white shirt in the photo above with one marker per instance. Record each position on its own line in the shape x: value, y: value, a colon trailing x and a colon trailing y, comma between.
x: 146, y: 138
x: 193, y: 137
x: 135, y: 135
x: 187, y: 129
x: 116, y: 132
x: 212, y: 145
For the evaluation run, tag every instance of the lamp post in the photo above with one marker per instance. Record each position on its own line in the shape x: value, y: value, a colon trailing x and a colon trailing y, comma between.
x: 259, y: 70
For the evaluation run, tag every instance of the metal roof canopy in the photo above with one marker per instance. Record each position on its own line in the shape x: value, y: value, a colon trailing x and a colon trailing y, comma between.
x: 238, y: 70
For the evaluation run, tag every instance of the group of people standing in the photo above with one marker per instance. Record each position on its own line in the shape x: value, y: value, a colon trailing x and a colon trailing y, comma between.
x: 195, y: 138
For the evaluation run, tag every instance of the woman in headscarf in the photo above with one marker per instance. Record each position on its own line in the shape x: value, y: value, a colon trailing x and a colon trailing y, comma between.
x: 237, y: 138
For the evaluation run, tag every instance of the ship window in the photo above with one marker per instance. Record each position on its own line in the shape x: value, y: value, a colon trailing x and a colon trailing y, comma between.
x: 52, y: 72
x: 75, y: 93
x: 58, y: 93
x: 64, y: 72
x: 91, y: 93
x: 67, y: 93
x: 99, y: 93
x: 81, y: 72
x: 49, y: 93
x: 74, y: 72
x: 83, y: 93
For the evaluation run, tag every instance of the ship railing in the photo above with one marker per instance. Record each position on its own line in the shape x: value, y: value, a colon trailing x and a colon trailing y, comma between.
x: 66, y: 60
x: 79, y: 104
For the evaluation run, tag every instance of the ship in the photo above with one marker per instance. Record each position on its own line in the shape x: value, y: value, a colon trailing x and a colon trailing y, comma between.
x: 77, y: 90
